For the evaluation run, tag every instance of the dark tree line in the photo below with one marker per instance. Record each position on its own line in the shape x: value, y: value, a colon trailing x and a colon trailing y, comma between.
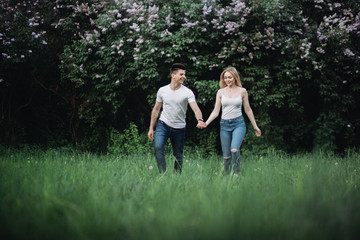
x: 73, y: 71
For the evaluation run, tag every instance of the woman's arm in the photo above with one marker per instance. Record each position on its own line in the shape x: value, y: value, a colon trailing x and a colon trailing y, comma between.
x: 249, y: 112
x: 217, y: 108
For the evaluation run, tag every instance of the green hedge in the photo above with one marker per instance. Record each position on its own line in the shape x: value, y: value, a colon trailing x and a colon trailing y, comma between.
x: 74, y: 70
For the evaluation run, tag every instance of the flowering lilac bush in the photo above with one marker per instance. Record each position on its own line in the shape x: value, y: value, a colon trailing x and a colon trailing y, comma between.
x: 298, y: 60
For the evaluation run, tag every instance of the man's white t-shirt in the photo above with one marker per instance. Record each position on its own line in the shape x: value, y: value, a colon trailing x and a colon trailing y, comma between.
x: 174, y: 105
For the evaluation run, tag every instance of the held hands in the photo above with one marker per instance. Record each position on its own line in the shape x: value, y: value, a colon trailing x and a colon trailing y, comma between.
x: 201, y: 125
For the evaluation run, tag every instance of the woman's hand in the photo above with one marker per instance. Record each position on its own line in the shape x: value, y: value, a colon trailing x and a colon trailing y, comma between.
x: 201, y: 125
x: 257, y: 131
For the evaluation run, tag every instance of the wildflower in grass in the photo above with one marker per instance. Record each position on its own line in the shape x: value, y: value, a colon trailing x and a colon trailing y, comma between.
x: 336, y: 163
x: 151, y: 167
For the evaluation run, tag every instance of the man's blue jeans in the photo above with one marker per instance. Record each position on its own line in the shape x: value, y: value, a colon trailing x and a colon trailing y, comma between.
x: 232, y: 133
x: 177, y: 137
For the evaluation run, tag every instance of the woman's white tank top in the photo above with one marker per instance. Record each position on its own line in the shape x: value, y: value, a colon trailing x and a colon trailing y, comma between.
x: 231, y: 107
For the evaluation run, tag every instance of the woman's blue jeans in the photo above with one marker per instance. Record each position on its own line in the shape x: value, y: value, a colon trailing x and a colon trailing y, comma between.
x: 177, y: 137
x: 232, y: 133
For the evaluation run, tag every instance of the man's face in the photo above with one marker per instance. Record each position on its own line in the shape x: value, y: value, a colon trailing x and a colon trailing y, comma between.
x: 178, y: 76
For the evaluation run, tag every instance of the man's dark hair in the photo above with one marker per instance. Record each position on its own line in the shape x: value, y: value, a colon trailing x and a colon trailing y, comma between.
x: 177, y: 66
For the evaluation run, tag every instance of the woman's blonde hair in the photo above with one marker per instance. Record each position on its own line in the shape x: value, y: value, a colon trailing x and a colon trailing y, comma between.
x: 234, y: 73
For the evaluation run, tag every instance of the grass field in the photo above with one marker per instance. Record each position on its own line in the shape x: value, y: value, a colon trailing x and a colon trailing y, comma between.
x: 58, y: 194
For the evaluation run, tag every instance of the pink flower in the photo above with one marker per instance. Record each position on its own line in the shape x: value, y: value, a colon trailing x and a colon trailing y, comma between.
x: 348, y: 53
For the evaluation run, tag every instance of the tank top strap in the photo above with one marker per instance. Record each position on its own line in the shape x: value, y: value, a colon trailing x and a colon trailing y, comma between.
x: 222, y: 91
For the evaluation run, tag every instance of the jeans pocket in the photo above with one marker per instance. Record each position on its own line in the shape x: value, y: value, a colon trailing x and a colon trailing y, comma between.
x: 239, y: 120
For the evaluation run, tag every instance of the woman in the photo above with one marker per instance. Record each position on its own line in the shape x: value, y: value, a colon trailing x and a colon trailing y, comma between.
x: 231, y: 97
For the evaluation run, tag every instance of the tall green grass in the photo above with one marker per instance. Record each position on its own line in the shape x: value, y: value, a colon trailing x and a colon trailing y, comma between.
x: 67, y: 195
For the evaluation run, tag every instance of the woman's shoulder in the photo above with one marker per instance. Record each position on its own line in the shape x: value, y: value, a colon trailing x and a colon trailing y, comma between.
x: 220, y: 92
x: 242, y: 89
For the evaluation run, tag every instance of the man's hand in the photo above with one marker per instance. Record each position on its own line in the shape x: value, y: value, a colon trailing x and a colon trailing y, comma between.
x: 151, y: 134
x: 201, y: 125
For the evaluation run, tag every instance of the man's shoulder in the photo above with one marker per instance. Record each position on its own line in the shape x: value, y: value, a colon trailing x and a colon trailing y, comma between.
x: 185, y: 88
x: 164, y: 88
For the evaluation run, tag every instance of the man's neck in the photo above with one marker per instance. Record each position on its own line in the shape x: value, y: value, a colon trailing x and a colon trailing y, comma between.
x: 175, y: 86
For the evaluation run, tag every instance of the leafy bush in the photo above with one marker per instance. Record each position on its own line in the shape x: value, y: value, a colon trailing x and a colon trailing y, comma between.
x: 85, y: 62
x: 128, y: 142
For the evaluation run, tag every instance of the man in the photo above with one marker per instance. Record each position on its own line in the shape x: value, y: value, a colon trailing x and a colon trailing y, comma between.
x: 174, y: 99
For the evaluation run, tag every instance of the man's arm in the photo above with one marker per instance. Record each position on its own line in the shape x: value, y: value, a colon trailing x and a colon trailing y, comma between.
x: 197, y: 112
x: 154, y: 115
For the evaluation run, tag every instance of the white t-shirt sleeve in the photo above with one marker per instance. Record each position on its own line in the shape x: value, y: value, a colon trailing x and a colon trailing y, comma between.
x: 159, y: 96
x: 191, y: 97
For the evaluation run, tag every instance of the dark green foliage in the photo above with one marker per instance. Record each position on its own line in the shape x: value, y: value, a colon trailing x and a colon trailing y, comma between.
x: 79, y: 70
x: 129, y: 142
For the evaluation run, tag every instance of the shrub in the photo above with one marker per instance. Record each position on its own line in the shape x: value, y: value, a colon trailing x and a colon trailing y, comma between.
x: 128, y: 142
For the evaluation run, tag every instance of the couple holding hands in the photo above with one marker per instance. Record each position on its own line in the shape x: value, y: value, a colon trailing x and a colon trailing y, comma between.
x: 174, y: 99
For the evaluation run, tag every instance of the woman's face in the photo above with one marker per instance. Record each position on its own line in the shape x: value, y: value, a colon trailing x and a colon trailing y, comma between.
x: 229, y: 79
